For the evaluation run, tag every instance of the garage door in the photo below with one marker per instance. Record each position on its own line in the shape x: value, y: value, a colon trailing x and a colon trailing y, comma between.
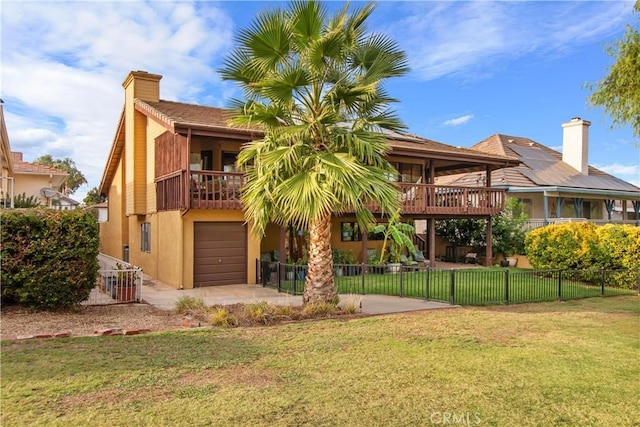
x: 220, y: 253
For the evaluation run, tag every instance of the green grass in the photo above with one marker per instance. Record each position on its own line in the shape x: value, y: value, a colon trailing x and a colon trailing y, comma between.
x: 557, y: 363
x: 484, y: 286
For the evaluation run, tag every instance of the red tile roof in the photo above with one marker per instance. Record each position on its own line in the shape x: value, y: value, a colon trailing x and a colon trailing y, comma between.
x: 20, y: 166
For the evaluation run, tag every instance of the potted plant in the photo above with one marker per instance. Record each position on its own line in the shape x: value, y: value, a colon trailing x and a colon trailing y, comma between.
x: 338, y: 261
x: 351, y: 262
x: 373, y: 260
x: 127, y: 286
x: 399, y: 236
x: 301, y: 267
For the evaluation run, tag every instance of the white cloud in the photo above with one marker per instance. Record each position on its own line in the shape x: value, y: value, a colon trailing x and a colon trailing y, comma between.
x: 63, y: 65
x: 458, y: 120
x: 619, y: 169
x: 471, y: 39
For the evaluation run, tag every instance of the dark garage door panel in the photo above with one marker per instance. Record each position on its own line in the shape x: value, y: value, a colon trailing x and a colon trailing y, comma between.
x: 220, y: 254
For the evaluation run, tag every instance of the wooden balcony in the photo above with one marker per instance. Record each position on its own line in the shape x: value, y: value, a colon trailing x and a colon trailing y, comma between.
x: 429, y: 199
x: 221, y: 190
x: 215, y: 190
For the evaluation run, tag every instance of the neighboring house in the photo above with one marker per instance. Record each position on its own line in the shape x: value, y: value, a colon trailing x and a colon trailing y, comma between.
x: 558, y: 187
x: 41, y: 181
x: 174, y: 195
x: 34, y: 180
x: 63, y: 202
x: 6, y: 162
x: 102, y: 210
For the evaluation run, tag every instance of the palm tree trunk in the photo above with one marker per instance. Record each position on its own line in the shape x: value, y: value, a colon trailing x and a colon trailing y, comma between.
x: 320, y: 285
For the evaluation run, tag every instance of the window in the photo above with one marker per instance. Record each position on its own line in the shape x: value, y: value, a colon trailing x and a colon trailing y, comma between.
x: 350, y: 232
x: 523, y: 208
x: 145, y: 238
x: 407, y: 172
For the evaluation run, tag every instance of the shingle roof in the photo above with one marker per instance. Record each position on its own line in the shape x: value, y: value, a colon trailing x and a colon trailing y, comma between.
x: 542, y: 166
x: 178, y: 114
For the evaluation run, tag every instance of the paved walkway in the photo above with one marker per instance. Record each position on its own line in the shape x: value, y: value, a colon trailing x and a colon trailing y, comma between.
x: 163, y: 296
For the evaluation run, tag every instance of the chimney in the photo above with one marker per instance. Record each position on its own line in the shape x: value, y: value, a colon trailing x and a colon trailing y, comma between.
x: 575, y: 144
x: 143, y: 85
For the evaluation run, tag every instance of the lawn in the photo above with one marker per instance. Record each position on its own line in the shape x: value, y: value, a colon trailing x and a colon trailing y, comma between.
x: 555, y: 363
x: 481, y: 286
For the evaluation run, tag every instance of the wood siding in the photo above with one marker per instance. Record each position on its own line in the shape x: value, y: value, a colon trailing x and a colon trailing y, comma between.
x: 169, y: 152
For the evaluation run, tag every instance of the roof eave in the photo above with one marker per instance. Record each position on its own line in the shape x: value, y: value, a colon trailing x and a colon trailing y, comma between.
x: 576, y: 190
x: 114, y: 156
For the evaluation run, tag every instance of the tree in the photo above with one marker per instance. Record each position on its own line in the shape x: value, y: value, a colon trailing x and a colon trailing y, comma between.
x: 462, y: 232
x: 314, y: 85
x: 507, y: 230
x: 75, y: 178
x: 93, y: 197
x: 619, y: 92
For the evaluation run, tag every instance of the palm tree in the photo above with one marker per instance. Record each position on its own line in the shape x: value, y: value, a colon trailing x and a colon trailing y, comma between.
x: 313, y: 84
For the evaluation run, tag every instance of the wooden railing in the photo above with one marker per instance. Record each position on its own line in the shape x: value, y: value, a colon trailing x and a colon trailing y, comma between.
x: 449, y: 200
x: 215, y: 190
x: 221, y: 190
x: 169, y: 192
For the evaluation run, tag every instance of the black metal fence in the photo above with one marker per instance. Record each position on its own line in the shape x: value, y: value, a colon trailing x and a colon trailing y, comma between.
x: 473, y: 286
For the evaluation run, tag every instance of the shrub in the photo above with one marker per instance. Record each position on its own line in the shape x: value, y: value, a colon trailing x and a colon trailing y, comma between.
x: 564, y: 246
x: 619, y: 249
x: 187, y: 304
x: 583, y: 246
x: 49, y: 258
x: 260, y: 312
x: 320, y: 308
x: 222, y: 317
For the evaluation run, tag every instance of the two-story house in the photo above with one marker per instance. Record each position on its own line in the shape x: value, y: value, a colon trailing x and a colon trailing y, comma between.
x: 558, y: 187
x: 174, y: 194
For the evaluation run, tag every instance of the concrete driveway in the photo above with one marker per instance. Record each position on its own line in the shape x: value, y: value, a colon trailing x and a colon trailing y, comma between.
x: 163, y: 296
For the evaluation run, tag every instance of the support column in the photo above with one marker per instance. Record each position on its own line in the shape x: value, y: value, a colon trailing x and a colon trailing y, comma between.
x: 545, y: 203
x: 559, y: 207
x: 281, y: 245
x: 489, y: 254
x: 431, y: 238
x: 609, y: 204
x: 364, y: 258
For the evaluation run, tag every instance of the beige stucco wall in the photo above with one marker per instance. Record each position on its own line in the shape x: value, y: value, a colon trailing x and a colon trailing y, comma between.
x: 537, y: 206
x: 31, y: 184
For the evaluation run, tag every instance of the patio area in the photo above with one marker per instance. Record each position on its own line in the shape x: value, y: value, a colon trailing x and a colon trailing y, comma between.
x: 163, y: 296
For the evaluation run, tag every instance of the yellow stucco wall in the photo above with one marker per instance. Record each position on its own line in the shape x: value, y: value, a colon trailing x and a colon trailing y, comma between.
x: 164, y: 261
x: 114, y: 233
x: 271, y: 240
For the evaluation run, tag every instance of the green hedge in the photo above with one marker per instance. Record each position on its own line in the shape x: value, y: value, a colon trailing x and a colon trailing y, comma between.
x: 585, y: 246
x: 49, y: 258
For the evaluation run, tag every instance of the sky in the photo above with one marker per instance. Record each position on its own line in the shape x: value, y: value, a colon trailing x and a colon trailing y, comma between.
x: 477, y: 68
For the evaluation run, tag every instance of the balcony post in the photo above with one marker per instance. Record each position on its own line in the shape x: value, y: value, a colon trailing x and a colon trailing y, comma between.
x: 489, y: 255
x: 431, y: 227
